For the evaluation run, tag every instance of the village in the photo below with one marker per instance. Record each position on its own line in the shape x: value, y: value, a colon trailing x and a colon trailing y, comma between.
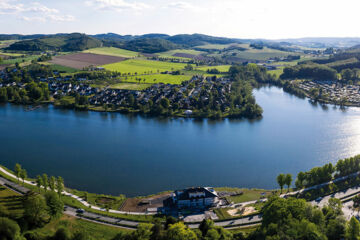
x: 334, y: 92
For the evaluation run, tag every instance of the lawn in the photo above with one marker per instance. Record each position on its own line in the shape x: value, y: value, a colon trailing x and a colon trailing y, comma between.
x: 112, y: 51
x: 277, y: 72
x: 20, y: 59
x: 139, y: 66
x: 97, y: 231
x: 130, y: 86
x: 157, y: 78
x: 221, y: 68
x: 169, y: 54
x: 62, y: 69
x: 12, y: 201
x: 248, y: 194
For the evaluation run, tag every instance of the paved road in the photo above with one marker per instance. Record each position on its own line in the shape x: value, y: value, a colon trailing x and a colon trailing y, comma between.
x: 246, y: 221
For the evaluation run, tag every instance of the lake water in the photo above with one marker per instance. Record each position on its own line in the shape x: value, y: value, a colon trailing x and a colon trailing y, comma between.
x: 134, y: 155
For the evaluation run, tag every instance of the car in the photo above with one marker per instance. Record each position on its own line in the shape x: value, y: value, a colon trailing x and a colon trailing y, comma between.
x: 80, y: 210
x: 318, y: 199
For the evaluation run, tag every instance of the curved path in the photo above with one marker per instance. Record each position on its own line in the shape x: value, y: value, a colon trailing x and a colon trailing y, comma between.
x: 232, y: 223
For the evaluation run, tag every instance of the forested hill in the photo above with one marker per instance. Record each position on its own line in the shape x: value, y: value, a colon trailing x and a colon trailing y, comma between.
x: 59, y: 42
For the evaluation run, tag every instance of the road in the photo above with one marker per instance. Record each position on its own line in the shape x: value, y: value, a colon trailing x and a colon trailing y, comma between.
x: 245, y: 221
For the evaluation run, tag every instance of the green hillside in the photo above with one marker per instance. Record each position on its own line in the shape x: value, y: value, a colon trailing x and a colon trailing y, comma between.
x: 61, y: 42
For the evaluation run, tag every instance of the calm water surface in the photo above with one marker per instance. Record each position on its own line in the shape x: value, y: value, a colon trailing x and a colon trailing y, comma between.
x: 133, y: 155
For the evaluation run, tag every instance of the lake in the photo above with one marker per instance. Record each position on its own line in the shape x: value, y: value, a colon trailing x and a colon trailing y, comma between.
x: 116, y: 154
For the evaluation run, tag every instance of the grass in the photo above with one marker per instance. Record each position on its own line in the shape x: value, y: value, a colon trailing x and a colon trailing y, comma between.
x: 62, y: 69
x: 130, y: 86
x: 140, y: 66
x: 21, y: 59
x: 97, y: 231
x: 222, y: 213
x: 221, y: 68
x: 157, y: 78
x: 248, y: 194
x: 112, y: 51
x: 12, y: 201
x: 169, y: 54
x: 277, y: 72
x: 214, y: 46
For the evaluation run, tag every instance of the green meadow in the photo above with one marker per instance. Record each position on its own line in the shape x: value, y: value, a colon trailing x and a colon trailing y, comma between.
x: 157, y: 78
x: 112, y: 51
x: 221, y: 68
x: 140, y: 66
x: 169, y: 54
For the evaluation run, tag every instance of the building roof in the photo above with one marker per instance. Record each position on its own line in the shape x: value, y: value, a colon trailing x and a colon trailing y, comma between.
x: 186, y: 193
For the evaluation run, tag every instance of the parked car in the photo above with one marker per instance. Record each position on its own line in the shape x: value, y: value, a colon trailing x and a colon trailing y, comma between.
x: 80, y: 210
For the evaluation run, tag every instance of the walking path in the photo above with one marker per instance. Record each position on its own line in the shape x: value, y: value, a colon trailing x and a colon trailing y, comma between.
x: 244, y: 221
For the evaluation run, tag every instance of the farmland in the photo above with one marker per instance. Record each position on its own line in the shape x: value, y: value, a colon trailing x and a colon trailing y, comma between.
x: 157, y: 78
x: 140, y: 66
x: 111, y: 51
x: 221, y: 68
x: 83, y: 60
x: 180, y: 53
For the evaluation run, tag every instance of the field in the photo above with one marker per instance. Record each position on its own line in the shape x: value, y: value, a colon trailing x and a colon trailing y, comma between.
x: 140, y: 66
x: 20, y: 59
x: 12, y: 201
x: 112, y: 51
x: 83, y: 60
x: 214, y: 46
x: 180, y: 53
x: 158, y: 78
x: 130, y: 86
x: 221, y: 68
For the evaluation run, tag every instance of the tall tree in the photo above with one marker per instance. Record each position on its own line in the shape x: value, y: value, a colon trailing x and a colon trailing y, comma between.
x: 52, y: 183
x: 54, y: 203
x: 45, y: 181
x: 353, y: 229
x: 60, y: 185
x: 288, y: 180
x: 23, y: 175
x: 17, y: 171
x: 35, y: 210
x: 9, y: 229
x: 39, y: 182
x: 281, y: 181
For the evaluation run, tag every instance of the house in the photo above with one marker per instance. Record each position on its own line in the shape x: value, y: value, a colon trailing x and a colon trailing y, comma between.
x: 197, y: 197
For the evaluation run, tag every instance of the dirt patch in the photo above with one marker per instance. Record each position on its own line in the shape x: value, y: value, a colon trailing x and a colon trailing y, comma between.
x: 142, y: 204
x: 241, y: 211
x: 82, y: 60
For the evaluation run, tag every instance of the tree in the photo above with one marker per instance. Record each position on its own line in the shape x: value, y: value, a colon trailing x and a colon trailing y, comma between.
x: 205, y: 225
x: 352, y: 229
x: 17, y: 171
x: 39, y: 182
x: 35, y: 210
x: 288, y: 180
x: 60, y: 185
x: 54, y: 203
x: 179, y: 231
x: 45, y: 181
x: 62, y: 234
x: 9, y: 229
x: 52, y: 182
x: 281, y: 181
x: 23, y: 175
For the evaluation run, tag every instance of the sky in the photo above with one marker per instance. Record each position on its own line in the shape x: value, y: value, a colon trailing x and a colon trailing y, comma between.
x: 270, y: 19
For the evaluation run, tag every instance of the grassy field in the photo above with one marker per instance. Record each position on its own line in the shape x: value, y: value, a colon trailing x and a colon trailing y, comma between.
x: 12, y: 201
x: 140, y: 66
x: 169, y: 54
x: 20, y: 59
x: 214, y: 46
x: 248, y: 194
x: 130, y: 86
x: 158, y: 78
x: 277, y: 72
x: 63, y: 69
x: 112, y: 51
x: 221, y: 68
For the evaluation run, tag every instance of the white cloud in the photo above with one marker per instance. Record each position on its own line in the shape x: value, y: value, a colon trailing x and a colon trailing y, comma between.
x: 116, y: 5
x: 31, y: 11
x: 181, y: 5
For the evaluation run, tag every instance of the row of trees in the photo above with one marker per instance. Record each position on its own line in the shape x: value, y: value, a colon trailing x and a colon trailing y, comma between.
x: 309, y: 71
x: 327, y: 172
x: 284, y: 179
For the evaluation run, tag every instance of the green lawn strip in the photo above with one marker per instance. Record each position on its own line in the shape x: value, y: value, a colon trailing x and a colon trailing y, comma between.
x: 140, y: 66
x: 221, y: 68
x: 74, y: 225
x: 222, y: 213
x: 63, y: 69
x: 20, y: 59
x: 112, y: 51
x: 130, y: 86
x: 12, y: 201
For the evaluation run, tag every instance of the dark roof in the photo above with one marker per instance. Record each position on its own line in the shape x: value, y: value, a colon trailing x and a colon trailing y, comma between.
x: 185, y: 194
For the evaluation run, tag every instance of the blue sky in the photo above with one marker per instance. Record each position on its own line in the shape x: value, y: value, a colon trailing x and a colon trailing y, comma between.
x: 273, y: 19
